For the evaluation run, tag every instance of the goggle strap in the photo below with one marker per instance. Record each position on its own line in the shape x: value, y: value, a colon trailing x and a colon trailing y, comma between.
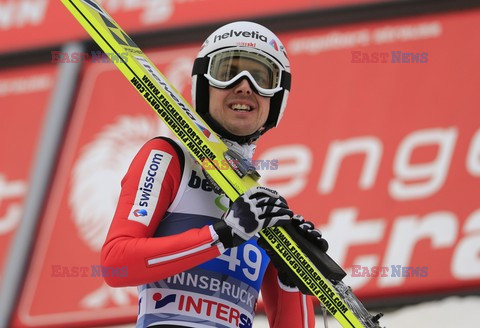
x: 286, y: 80
x: 200, y: 66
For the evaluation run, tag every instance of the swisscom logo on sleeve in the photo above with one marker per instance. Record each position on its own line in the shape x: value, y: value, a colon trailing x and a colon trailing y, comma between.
x: 149, y: 187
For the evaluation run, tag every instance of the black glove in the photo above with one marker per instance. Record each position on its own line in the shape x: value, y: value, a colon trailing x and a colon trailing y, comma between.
x: 285, y: 274
x: 258, y: 208
x: 307, y: 229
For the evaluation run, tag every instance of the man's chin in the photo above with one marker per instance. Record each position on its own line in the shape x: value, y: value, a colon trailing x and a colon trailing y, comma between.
x: 240, y: 132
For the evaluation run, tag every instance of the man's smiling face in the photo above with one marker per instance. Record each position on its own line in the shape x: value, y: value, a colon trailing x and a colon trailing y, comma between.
x: 239, y: 109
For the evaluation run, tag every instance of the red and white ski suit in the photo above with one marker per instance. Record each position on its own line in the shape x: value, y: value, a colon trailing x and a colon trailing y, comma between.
x: 162, y: 233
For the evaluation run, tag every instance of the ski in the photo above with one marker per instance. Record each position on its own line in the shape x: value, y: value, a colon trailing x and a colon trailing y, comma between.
x: 323, y: 278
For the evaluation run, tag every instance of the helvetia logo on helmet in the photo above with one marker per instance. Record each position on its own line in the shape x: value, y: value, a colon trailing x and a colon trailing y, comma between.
x: 246, y: 34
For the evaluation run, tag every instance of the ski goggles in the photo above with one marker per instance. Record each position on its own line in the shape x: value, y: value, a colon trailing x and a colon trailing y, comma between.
x: 226, y: 67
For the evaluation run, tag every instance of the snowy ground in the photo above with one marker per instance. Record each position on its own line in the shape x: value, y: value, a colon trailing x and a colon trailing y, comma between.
x: 451, y: 312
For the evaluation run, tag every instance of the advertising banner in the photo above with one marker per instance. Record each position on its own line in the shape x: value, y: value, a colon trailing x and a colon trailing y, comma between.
x: 26, y: 24
x: 379, y: 146
x: 110, y: 123
x: 24, y: 96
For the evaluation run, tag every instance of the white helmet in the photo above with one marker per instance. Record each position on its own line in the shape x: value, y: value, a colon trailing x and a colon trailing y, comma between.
x: 236, y: 42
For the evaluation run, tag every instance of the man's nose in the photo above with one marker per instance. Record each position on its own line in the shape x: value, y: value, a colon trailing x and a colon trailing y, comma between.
x: 243, y: 87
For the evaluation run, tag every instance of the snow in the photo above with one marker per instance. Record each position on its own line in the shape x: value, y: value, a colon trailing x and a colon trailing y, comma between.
x: 451, y: 312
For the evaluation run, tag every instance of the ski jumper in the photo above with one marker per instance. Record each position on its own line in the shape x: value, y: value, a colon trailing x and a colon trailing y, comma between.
x: 162, y: 233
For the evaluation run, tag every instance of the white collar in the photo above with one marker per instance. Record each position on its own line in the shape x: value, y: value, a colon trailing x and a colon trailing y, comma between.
x: 245, y: 150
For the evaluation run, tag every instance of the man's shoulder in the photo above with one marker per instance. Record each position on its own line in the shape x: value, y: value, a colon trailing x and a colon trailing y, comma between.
x: 165, y: 144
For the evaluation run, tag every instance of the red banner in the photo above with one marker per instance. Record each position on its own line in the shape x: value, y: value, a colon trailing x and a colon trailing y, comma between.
x: 26, y: 24
x: 24, y: 95
x: 381, y: 145
x: 384, y: 155
x: 104, y: 135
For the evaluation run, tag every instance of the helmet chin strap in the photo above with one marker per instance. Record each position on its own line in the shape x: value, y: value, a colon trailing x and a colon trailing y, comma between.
x: 224, y: 133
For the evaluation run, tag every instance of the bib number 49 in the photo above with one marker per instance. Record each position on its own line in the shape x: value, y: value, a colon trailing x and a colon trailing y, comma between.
x: 250, y: 260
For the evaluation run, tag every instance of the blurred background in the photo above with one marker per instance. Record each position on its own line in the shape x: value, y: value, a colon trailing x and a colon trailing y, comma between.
x: 379, y: 146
